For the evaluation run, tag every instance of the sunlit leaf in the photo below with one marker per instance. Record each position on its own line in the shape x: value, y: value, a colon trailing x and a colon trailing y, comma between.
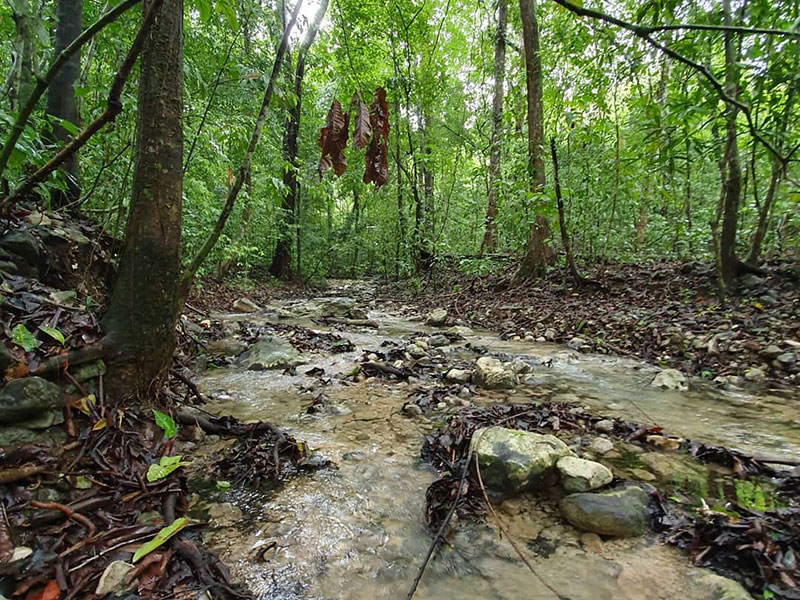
x: 161, y: 537
x: 23, y: 338
x: 165, y: 422
x: 165, y: 466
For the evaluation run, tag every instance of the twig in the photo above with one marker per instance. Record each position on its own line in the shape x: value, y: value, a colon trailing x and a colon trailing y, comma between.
x: 12, y: 475
x: 68, y: 512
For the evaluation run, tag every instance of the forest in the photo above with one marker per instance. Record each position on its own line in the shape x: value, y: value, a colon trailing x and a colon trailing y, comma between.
x: 337, y: 299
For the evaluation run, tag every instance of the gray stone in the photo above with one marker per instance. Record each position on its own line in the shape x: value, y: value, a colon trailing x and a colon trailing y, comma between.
x: 755, y: 375
x: 520, y: 367
x: 226, y: 347
x: 601, y: 446
x: 436, y: 317
x: 719, y: 587
x: 578, y: 344
x: 358, y: 314
x: 461, y: 330
x: 621, y: 512
x: 670, y: 379
x: 23, y: 399
x: 771, y: 352
x: 245, y: 305
x: 750, y: 280
x: 113, y: 579
x: 88, y: 371
x: 490, y: 373
x: 604, y: 426
x: 23, y: 244
x: 786, y: 360
x: 438, y: 340
x: 65, y: 297
x: 412, y: 410
x: 580, y: 475
x: 272, y: 352
x: 550, y: 335
x: 224, y: 514
x: 458, y: 376
x: 338, y: 307
x: 416, y: 351
x: 513, y: 461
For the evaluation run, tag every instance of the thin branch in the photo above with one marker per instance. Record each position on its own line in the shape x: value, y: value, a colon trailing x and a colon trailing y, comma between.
x: 722, y: 28
x: 113, y: 108
x: 644, y: 33
x: 43, y: 82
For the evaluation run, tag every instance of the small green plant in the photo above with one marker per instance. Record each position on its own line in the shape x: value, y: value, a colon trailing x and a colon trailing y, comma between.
x: 165, y: 422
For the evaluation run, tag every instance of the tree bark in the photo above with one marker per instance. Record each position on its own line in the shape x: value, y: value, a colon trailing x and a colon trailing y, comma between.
x: 489, y: 243
x: 562, y: 220
x: 537, y: 254
x: 733, y: 180
x: 61, y: 101
x: 140, y: 321
x: 401, y: 221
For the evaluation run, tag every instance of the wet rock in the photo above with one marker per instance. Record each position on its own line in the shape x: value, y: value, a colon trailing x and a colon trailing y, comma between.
x: 771, y: 352
x: 331, y: 307
x: 490, y: 373
x: 416, y: 351
x: 601, y: 446
x: 520, y: 367
x: 113, y: 580
x: 224, y: 514
x: 272, y: 352
x: 458, y: 376
x: 664, y: 443
x: 21, y: 243
x: 358, y: 314
x: 718, y: 587
x: 438, y: 340
x: 578, y: 344
x: 26, y: 398
x: 755, y: 375
x: 642, y: 474
x: 436, y: 317
x: 550, y: 335
x: 592, y: 542
x: 579, y: 475
x: 65, y: 297
x: 355, y: 455
x: 670, y: 379
x: 412, y: 410
x: 88, y: 371
x: 787, y: 360
x: 604, y: 426
x: 621, y: 512
x: 464, y: 393
x: 245, y: 305
x: 226, y: 347
x: 461, y: 330
x: 749, y: 280
x: 513, y: 461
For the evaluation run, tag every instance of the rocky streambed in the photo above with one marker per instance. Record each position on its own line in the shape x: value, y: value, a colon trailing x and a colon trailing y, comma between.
x: 365, y: 390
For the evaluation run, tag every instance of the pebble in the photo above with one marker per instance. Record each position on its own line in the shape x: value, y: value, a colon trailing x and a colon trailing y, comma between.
x: 604, y: 426
x: 601, y: 446
x: 412, y: 410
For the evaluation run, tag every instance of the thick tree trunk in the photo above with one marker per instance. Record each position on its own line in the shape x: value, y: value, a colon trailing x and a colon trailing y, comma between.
x: 61, y: 101
x: 537, y: 254
x: 140, y: 321
x: 22, y: 80
x: 733, y: 182
x: 489, y: 243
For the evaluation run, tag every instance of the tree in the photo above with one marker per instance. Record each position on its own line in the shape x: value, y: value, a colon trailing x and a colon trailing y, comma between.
x: 489, y: 243
x: 61, y: 102
x: 537, y: 253
x: 140, y: 322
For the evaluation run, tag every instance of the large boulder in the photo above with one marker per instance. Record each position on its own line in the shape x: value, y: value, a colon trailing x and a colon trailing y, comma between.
x: 436, y: 317
x: 27, y: 398
x: 245, y: 305
x: 580, y: 475
x: 492, y: 374
x: 621, y: 512
x: 272, y: 352
x: 331, y: 307
x: 670, y: 379
x: 513, y: 461
x: 226, y: 347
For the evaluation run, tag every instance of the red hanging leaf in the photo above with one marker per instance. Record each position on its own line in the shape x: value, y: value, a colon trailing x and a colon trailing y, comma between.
x: 362, y: 128
x: 377, y: 159
x: 333, y: 140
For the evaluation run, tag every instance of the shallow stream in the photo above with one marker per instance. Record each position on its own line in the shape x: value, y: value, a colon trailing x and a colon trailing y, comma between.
x: 357, y: 530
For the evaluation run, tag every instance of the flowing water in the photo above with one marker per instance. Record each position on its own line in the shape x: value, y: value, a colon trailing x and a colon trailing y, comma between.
x: 357, y: 531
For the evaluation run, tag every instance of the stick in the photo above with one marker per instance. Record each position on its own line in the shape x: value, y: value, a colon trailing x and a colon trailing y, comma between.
x: 70, y: 514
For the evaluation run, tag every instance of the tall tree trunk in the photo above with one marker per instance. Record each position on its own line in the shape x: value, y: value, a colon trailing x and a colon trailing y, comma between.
x: 537, y: 254
x: 489, y: 243
x: 733, y: 180
x: 61, y: 101
x: 22, y: 80
x: 281, y: 266
x: 140, y: 321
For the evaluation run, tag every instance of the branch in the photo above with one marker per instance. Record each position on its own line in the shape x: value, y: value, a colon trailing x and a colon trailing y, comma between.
x: 730, y: 28
x: 43, y: 82
x: 644, y: 33
x: 112, y: 110
x: 197, y: 261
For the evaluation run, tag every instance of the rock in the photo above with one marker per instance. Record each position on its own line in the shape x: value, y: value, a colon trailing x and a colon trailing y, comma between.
x: 604, y: 426
x: 26, y: 398
x: 771, y: 352
x: 750, y: 280
x: 664, y: 443
x: 65, y: 297
x: 21, y: 243
x: 513, y: 461
x: 436, y: 317
x: 224, y: 514
x: 578, y: 344
x: 620, y: 512
x: 670, y: 379
x: 592, y: 541
x: 358, y: 314
x: 331, y: 307
x: 226, y: 347
x: 113, y: 579
x: 458, y: 376
x: 520, y: 367
x: 786, y: 360
x: 245, y: 305
x: 6, y: 358
x: 642, y: 474
x: 272, y: 352
x: 460, y: 330
x: 755, y: 375
x: 35, y: 219
x: 719, y: 587
x: 438, y: 340
x: 88, y: 371
x: 550, y: 335
x: 601, y: 446
x: 579, y: 475
x: 491, y: 374
x: 416, y: 351
x: 412, y: 410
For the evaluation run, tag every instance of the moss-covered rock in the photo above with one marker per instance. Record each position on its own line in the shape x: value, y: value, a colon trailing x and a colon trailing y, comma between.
x: 621, y: 512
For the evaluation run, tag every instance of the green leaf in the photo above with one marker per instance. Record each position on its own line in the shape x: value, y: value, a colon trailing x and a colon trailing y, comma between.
x: 166, y: 423
x: 23, y: 338
x: 161, y: 537
x: 53, y: 333
x: 223, y: 486
x: 204, y: 8
x: 165, y: 466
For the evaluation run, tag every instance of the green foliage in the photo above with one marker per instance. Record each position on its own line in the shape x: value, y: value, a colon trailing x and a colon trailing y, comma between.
x: 160, y: 538
x: 23, y: 338
x: 166, y: 423
x: 165, y: 466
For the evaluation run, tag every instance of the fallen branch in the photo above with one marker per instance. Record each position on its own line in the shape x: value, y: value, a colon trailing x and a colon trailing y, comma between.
x: 68, y: 512
x: 12, y: 475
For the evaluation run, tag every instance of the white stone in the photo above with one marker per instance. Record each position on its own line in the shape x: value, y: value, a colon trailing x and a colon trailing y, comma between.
x: 670, y: 379
x: 580, y: 475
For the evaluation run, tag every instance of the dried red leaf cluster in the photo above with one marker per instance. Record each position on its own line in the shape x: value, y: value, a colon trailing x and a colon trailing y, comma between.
x: 371, y: 129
